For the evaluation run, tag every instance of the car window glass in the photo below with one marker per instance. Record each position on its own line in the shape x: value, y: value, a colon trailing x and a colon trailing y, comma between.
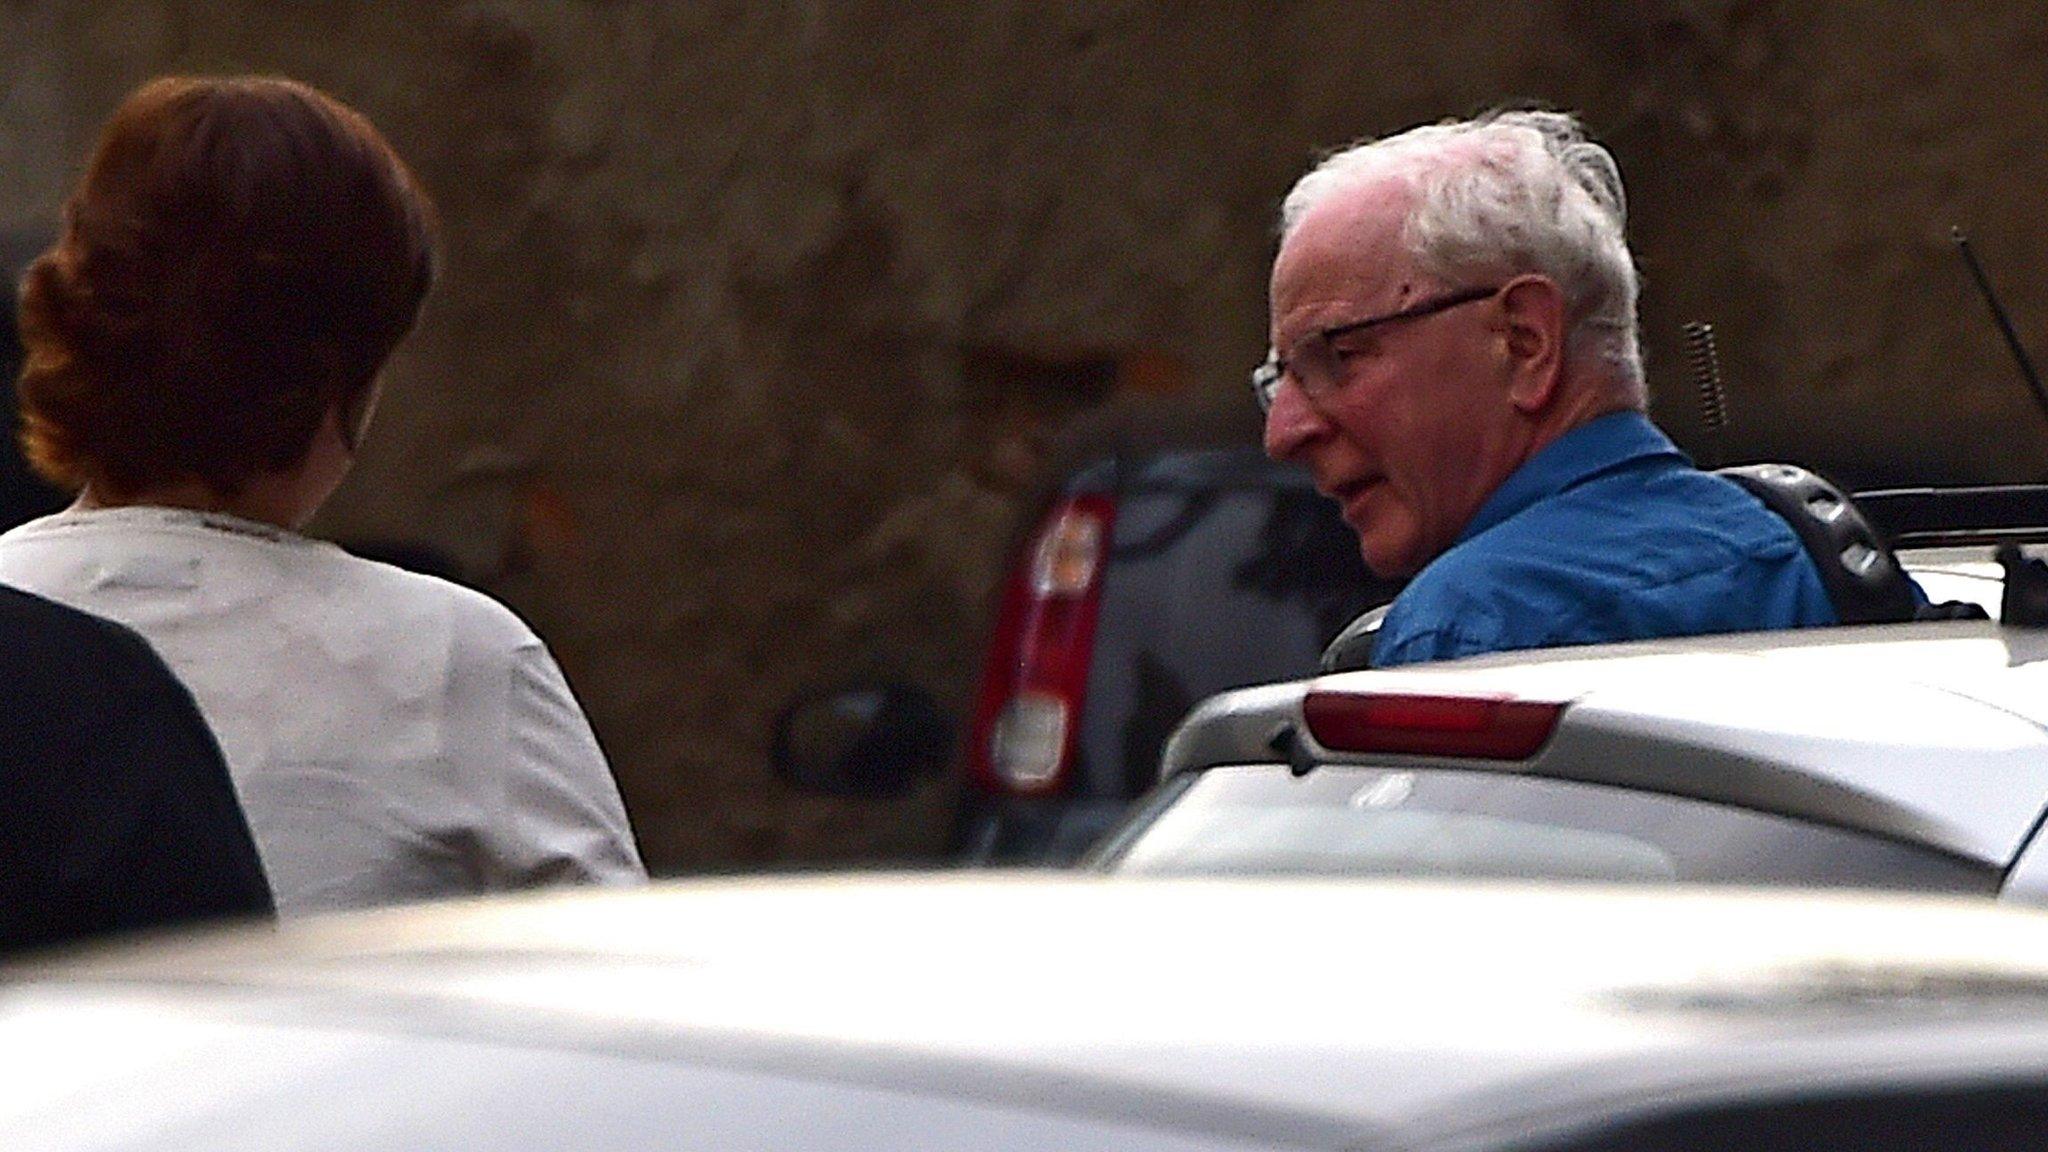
x: 1434, y: 822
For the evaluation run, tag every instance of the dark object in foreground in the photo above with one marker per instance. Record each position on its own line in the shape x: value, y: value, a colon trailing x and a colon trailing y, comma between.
x: 119, y: 814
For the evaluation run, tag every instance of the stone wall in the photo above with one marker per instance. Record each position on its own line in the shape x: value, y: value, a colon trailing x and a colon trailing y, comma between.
x: 746, y: 346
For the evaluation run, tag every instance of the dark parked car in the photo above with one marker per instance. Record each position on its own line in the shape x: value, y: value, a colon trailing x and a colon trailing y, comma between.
x: 1167, y: 559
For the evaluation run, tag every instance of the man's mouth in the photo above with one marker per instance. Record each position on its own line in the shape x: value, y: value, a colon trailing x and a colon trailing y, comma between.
x: 1344, y: 490
x: 1349, y: 494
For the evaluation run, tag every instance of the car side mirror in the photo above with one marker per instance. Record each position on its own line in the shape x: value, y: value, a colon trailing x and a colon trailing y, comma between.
x: 873, y: 741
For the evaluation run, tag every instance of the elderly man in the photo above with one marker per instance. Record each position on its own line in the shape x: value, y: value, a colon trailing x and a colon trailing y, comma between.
x: 1456, y: 362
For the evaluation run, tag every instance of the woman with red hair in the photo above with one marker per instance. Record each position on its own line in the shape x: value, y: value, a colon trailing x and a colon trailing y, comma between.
x: 203, y: 350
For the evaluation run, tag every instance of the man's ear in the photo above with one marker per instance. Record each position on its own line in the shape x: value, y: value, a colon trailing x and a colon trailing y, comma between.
x: 1533, y: 318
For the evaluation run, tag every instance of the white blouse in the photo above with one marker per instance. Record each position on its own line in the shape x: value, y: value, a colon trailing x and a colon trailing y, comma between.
x: 392, y: 736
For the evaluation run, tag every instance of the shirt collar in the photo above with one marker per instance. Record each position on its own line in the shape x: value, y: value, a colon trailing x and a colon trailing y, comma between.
x: 1573, y: 458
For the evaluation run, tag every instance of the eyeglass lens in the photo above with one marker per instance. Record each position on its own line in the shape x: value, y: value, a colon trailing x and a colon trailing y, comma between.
x: 1314, y: 368
x: 1315, y: 364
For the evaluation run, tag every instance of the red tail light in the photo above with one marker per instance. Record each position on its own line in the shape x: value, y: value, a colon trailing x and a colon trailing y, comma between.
x: 1478, y: 727
x: 1032, y: 687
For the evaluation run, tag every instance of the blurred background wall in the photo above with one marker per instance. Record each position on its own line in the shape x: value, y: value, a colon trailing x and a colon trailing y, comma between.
x: 757, y: 315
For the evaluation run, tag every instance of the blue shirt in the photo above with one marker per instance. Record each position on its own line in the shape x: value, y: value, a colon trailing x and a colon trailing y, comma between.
x: 1609, y: 533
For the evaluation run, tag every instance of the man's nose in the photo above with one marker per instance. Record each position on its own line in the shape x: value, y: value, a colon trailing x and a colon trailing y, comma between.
x: 1292, y: 423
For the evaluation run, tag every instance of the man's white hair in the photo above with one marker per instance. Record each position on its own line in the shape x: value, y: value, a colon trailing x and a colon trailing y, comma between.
x: 1506, y: 194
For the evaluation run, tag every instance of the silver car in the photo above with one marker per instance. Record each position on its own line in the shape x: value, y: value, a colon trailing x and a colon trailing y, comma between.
x: 1891, y: 756
x: 1053, y: 1012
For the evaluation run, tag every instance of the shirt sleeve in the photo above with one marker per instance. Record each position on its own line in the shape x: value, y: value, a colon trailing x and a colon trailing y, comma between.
x: 566, y: 821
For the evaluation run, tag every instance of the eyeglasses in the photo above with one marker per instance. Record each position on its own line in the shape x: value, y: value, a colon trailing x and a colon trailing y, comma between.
x: 1316, y: 367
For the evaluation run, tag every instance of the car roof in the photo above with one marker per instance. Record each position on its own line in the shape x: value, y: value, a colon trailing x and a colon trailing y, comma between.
x: 1934, y: 732
x: 1292, y: 1011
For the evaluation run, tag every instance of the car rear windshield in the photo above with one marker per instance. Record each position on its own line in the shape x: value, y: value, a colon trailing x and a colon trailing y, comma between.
x: 1368, y: 821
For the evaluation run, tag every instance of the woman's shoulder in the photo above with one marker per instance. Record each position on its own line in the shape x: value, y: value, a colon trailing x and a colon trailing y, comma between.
x: 476, y: 616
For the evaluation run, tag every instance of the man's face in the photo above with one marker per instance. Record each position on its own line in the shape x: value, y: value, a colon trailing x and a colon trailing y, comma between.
x: 1418, y: 429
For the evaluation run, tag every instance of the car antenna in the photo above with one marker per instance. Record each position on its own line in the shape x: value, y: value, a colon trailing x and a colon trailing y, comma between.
x: 2024, y: 601
x: 1705, y: 364
x: 1999, y: 314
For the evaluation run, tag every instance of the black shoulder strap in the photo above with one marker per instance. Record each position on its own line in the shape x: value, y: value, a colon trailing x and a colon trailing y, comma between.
x: 1862, y: 577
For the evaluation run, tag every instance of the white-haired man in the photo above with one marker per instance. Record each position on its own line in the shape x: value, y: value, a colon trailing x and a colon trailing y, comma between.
x: 1455, y: 359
